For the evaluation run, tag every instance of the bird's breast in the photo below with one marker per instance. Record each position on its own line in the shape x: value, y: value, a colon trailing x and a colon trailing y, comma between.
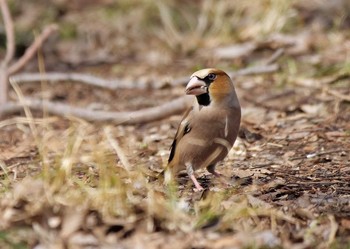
x: 210, y: 139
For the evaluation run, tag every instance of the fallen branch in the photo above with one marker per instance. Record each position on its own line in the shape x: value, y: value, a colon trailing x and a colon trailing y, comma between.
x: 78, y: 77
x: 141, y: 116
x: 126, y: 84
x: 132, y: 117
x: 31, y: 50
x: 145, y: 115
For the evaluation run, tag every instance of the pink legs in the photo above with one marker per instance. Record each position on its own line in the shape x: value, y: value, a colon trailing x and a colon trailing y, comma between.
x: 190, y: 173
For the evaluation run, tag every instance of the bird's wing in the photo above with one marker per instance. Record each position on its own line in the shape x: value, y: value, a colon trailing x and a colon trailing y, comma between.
x: 183, y: 129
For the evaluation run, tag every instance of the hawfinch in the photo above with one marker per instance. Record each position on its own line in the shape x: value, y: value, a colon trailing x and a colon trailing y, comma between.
x: 209, y: 129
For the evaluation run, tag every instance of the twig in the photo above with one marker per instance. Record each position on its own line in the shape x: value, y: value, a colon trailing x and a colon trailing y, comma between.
x: 10, y: 37
x: 338, y: 95
x: 133, y: 117
x: 317, y: 183
x: 78, y: 77
x: 30, y: 52
x: 141, y: 116
x: 3, y: 85
x: 5, y: 69
x: 10, y: 50
x: 171, y: 33
x: 275, y: 56
x: 333, y: 229
x: 3, y: 168
x: 335, y: 79
x: 126, y: 84
x: 262, y: 69
x: 25, y: 120
x: 236, y: 51
x: 262, y: 165
x: 318, y: 154
x: 118, y: 150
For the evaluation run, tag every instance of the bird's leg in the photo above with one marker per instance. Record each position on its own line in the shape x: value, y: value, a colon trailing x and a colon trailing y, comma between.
x: 222, y: 178
x: 190, y: 173
x: 211, y: 169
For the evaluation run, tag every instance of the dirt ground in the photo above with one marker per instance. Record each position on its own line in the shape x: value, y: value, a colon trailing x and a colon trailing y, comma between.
x: 70, y: 183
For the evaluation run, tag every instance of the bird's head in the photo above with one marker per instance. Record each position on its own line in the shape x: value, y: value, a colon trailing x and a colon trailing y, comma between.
x: 210, y: 85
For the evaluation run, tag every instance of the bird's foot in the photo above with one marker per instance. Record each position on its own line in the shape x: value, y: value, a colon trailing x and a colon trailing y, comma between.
x: 196, y: 183
x: 211, y: 169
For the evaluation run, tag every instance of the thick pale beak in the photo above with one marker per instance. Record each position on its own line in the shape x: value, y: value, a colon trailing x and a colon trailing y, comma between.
x: 196, y: 87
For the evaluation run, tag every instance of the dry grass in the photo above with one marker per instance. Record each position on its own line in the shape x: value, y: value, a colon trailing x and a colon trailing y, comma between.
x: 75, y: 176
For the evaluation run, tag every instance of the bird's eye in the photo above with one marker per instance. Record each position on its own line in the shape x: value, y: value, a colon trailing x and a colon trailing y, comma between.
x: 211, y: 76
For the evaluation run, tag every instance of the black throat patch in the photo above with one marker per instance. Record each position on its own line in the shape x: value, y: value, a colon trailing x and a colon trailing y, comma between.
x: 203, y: 99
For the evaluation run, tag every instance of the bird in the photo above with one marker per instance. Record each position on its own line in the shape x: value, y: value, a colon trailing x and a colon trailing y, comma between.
x: 209, y: 128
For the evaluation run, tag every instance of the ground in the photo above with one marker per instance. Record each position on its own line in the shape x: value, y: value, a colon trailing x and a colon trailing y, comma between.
x: 71, y: 183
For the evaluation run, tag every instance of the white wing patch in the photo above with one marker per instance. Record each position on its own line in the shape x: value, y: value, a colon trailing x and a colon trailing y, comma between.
x: 226, y: 127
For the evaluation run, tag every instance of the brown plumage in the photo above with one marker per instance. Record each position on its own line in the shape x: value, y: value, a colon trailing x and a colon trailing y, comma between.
x: 208, y: 129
